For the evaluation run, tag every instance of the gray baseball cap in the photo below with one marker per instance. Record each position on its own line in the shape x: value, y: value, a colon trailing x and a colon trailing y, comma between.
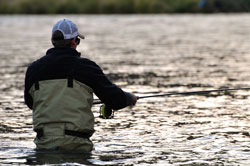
x: 68, y: 29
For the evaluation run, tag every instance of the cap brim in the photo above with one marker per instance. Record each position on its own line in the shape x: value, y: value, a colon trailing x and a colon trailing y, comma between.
x: 81, y: 36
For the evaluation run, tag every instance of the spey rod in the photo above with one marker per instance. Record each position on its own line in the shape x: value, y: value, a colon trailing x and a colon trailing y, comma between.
x: 183, y: 93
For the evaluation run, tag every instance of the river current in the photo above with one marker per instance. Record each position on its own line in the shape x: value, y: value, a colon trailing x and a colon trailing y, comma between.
x: 143, y: 54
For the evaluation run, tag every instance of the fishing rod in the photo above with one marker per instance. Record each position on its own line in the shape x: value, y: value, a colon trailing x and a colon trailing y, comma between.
x: 108, y: 113
x: 192, y: 92
x: 183, y: 93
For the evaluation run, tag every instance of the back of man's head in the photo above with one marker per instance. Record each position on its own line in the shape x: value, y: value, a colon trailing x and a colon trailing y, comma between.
x: 63, y: 32
x: 58, y: 40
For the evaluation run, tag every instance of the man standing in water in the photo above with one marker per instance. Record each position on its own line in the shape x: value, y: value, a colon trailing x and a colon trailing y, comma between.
x: 59, y: 89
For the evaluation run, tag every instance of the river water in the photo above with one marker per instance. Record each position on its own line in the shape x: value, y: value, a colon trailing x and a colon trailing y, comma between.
x: 143, y: 54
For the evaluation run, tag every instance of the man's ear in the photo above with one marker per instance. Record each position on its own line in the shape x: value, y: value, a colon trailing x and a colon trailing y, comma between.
x: 73, y: 43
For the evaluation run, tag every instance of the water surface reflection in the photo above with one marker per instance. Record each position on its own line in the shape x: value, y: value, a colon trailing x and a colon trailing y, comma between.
x: 145, y: 54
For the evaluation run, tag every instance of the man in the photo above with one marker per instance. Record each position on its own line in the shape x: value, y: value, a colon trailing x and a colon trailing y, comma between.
x: 59, y: 89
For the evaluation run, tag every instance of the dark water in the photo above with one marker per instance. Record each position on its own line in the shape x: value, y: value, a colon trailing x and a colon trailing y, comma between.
x: 147, y: 54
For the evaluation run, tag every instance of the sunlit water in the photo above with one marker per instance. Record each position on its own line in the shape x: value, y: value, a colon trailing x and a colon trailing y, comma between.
x: 147, y: 54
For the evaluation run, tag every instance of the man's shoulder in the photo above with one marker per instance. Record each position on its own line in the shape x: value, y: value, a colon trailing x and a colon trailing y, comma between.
x: 87, y: 61
x: 89, y: 66
x: 34, y: 63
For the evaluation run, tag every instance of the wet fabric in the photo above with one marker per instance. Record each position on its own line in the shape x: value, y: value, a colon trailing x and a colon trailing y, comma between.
x: 55, y: 138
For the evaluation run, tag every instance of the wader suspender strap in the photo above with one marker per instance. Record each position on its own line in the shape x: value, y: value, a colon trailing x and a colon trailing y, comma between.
x: 36, y: 80
x: 36, y: 85
x: 70, y: 78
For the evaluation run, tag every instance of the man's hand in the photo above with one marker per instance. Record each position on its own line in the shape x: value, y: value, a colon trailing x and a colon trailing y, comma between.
x: 134, y: 99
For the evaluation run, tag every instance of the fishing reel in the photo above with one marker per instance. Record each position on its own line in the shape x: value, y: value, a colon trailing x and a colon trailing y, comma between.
x: 106, y: 112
